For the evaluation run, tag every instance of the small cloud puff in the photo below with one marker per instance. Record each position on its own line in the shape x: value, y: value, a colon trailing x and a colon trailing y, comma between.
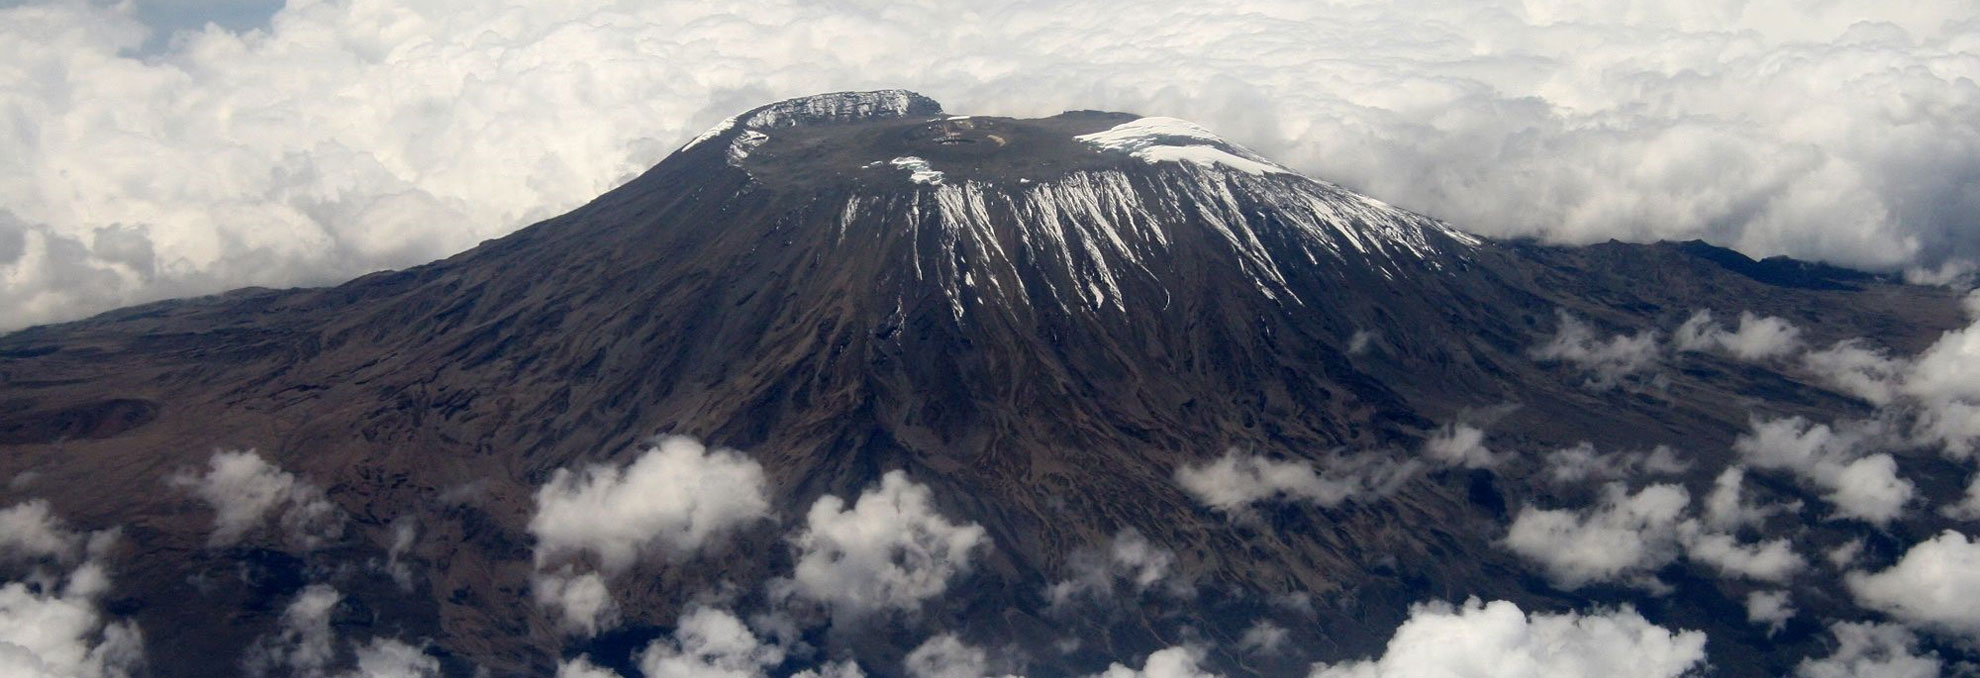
x: 672, y: 500
x: 1758, y: 338
x: 1871, y: 651
x: 1128, y: 562
x: 245, y: 491
x: 1235, y: 481
x: 1608, y: 362
x: 891, y: 550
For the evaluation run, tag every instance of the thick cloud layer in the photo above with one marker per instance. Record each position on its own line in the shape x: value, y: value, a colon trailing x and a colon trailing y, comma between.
x: 1498, y: 639
x: 348, y: 136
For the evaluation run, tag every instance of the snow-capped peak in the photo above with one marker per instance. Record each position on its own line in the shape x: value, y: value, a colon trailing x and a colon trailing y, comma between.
x: 1159, y: 139
x: 842, y: 107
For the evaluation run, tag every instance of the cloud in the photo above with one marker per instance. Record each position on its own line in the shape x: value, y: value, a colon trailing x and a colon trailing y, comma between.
x: 672, y: 500
x: 1627, y: 536
x: 1857, y: 368
x: 341, y: 138
x: 405, y: 531
x: 30, y: 530
x: 709, y: 643
x: 1127, y: 562
x: 583, y: 602
x: 1773, y: 560
x: 946, y: 656
x: 1607, y: 361
x: 306, y: 646
x: 1968, y: 507
x: 675, y: 499
x: 1758, y: 338
x: 1727, y: 509
x: 1498, y: 639
x: 581, y: 667
x: 1172, y: 662
x: 1584, y: 462
x: 1861, y: 486
x: 1871, y: 651
x: 52, y: 624
x: 890, y: 551
x: 1771, y: 608
x: 1933, y: 585
x: 1460, y: 445
x: 388, y: 658
x: 245, y: 491
x: 1264, y: 637
x: 1945, y: 380
x: 1235, y: 481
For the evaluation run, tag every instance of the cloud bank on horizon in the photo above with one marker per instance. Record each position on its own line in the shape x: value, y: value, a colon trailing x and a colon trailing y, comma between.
x: 353, y: 135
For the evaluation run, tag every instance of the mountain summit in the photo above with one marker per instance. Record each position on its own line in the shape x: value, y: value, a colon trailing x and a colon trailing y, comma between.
x: 1084, y: 343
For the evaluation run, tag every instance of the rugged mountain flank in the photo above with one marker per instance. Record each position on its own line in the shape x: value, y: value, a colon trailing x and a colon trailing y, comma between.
x: 1041, y: 320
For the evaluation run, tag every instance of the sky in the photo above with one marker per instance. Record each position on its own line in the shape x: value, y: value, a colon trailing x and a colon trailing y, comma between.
x: 162, y: 149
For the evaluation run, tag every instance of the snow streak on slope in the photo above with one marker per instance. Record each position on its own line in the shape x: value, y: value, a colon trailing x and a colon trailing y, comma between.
x: 1091, y: 236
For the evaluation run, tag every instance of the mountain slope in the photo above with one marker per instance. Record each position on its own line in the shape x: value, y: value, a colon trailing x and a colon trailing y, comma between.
x: 1040, y: 320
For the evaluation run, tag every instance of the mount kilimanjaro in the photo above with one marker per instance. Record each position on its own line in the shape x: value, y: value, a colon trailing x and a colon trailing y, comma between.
x: 1103, y: 340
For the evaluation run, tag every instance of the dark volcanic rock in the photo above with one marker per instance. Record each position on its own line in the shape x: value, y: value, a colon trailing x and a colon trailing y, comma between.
x: 1041, y: 328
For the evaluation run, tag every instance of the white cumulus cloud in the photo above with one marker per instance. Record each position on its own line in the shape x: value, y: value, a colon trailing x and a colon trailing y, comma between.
x: 246, y: 491
x: 1498, y: 639
x: 1933, y: 585
x: 1772, y: 608
x: 52, y: 624
x: 1757, y: 338
x: 672, y: 500
x: 307, y: 646
x: 1607, y: 362
x: 1236, y: 480
x: 1860, y: 485
x: 1626, y: 537
x: 1871, y: 651
x: 1127, y: 563
x: 891, y: 550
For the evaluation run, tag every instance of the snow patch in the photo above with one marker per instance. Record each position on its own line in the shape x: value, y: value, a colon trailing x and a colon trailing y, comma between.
x: 918, y: 169
x: 746, y: 142
x: 712, y: 132
x: 1159, y: 139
